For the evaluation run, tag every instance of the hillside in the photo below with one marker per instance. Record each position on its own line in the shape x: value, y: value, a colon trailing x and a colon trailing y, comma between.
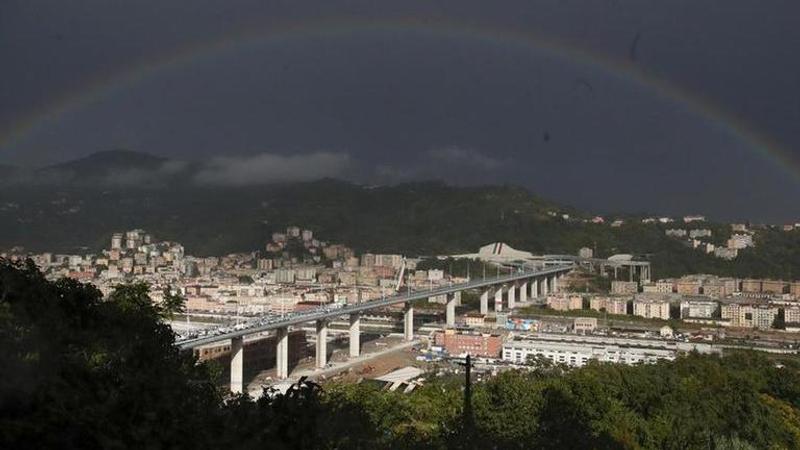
x: 415, y: 219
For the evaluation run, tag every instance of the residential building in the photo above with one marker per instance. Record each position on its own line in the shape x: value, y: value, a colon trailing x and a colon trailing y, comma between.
x: 791, y: 315
x: 584, y: 325
x: 686, y: 286
x: 368, y: 260
x: 285, y: 276
x: 740, y: 241
x: 474, y: 320
x: 462, y: 342
x: 748, y: 314
x: 751, y: 286
x: 564, y: 302
x: 665, y: 286
x: 649, y: 288
x: 726, y: 253
x: 773, y: 286
x: 293, y: 232
x: 675, y: 232
x: 651, y: 308
x: 699, y: 232
x: 577, y: 351
x: 698, y: 309
x: 394, y: 261
x: 794, y: 289
x: 694, y: 218
x: 758, y: 316
x: 611, y: 305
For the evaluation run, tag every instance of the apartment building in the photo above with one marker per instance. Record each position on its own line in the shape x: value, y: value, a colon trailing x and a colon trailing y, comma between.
x: 577, y: 351
x: 651, y: 308
x: 564, y: 302
x: 698, y: 309
x: 472, y: 343
x: 612, y: 305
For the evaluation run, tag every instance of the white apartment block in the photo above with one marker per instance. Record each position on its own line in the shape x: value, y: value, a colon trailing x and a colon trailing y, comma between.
x: 651, y: 309
x: 698, y: 309
x: 749, y: 316
x: 579, y: 351
x: 700, y: 232
x: 740, y: 241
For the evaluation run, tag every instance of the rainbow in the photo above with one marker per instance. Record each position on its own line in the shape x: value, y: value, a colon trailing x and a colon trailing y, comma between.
x: 135, y: 73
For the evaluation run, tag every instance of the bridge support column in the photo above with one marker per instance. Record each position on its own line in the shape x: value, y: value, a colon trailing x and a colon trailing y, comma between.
x: 555, y: 283
x: 355, y: 335
x: 545, y: 286
x: 512, y: 296
x: 523, y: 291
x: 450, y: 310
x: 322, y: 343
x: 485, y: 302
x: 498, y: 299
x: 282, y: 353
x: 408, y: 322
x: 535, y: 288
x: 237, y: 365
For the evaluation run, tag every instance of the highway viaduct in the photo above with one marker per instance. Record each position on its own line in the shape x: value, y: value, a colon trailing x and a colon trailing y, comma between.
x: 519, y: 284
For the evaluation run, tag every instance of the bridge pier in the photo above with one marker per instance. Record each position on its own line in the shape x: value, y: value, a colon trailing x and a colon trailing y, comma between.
x: 485, y: 302
x: 237, y: 365
x: 282, y: 353
x: 498, y: 299
x: 355, y: 335
x: 535, y: 287
x: 545, y: 286
x: 512, y: 295
x: 523, y: 291
x: 450, y: 310
x: 408, y: 322
x: 322, y: 343
x: 555, y: 283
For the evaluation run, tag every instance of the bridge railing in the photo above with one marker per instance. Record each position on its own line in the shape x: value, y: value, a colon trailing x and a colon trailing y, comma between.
x: 400, y: 297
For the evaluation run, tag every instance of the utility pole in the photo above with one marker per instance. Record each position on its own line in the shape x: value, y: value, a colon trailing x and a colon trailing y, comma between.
x: 467, y: 394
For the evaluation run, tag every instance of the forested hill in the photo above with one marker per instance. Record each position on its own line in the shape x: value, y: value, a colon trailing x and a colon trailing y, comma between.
x: 414, y: 219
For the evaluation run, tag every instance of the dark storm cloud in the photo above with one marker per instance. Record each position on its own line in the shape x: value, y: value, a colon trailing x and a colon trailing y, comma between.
x: 409, y: 105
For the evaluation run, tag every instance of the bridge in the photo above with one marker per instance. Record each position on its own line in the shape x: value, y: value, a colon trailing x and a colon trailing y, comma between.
x: 518, y: 284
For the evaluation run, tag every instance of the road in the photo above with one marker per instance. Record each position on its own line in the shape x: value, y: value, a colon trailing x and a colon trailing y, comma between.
x: 402, y: 297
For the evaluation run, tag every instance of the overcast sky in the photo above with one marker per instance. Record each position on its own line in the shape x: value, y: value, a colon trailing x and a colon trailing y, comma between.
x: 459, y: 95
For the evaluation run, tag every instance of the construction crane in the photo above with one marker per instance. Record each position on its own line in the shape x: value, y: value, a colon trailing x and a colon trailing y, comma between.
x: 402, y: 272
